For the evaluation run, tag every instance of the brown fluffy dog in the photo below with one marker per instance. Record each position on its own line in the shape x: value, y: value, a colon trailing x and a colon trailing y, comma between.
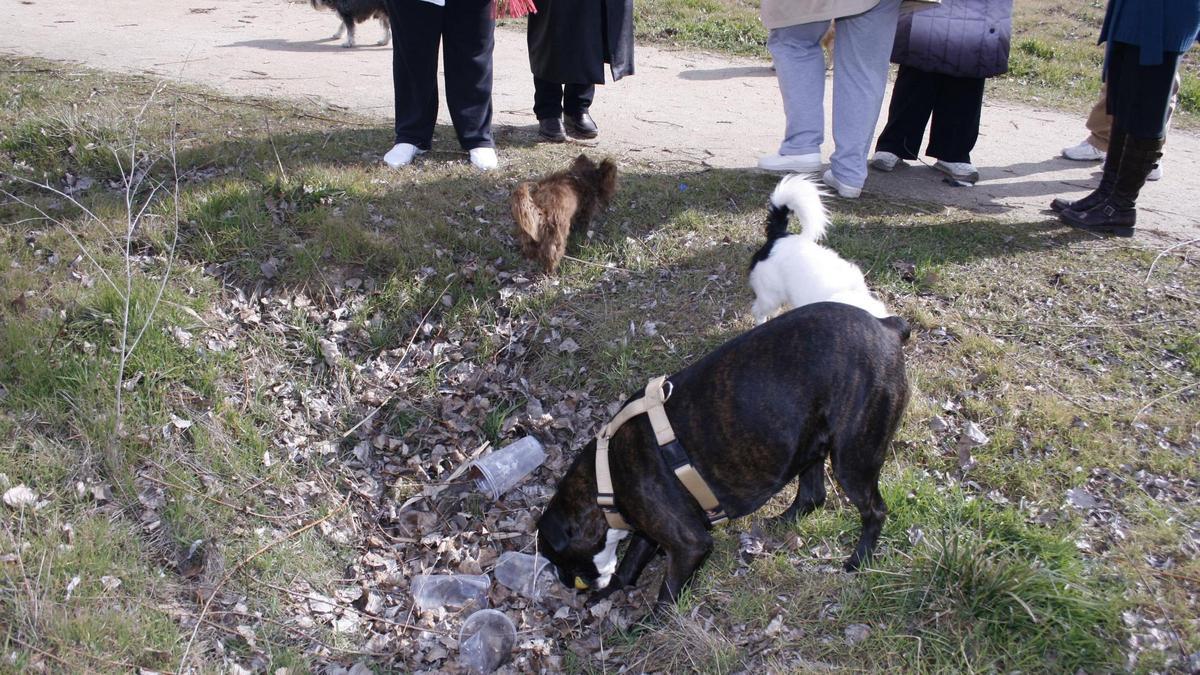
x: 547, y: 210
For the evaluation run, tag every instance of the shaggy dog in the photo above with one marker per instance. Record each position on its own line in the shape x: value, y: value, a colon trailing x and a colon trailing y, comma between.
x: 354, y: 12
x: 793, y: 269
x: 547, y: 210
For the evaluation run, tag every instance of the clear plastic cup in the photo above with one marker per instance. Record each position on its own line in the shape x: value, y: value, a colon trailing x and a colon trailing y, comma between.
x: 529, y: 575
x: 453, y: 591
x: 499, y: 471
x: 486, y: 641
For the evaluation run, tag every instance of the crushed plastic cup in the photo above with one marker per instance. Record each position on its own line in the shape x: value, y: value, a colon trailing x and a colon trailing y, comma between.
x: 454, y: 591
x: 486, y: 641
x: 499, y: 471
x: 529, y: 575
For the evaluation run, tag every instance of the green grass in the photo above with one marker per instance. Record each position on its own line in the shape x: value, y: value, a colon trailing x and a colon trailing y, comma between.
x: 1081, y: 372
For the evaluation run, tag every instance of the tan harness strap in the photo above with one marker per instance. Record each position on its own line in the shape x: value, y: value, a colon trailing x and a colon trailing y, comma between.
x: 651, y: 404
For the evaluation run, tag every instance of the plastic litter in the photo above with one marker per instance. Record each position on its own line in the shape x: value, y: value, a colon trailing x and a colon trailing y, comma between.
x: 499, y: 471
x: 455, y: 591
x: 486, y: 641
x: 530, y: 575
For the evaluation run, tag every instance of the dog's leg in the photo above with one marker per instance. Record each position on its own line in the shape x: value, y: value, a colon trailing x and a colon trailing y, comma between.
x: 682, y: 562
x: 341, y: 29
x: 387, y: 31
x: 349, y: 24
x: 638, y: 554
x: 810, y: 494
x: 862, y: 488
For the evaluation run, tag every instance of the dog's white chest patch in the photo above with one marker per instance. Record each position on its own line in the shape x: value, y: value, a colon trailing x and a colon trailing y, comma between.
x: 606, y: 560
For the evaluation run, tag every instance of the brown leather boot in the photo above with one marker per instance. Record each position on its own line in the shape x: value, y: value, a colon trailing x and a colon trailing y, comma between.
x: 1112, y: 162
x: 1117, y: 214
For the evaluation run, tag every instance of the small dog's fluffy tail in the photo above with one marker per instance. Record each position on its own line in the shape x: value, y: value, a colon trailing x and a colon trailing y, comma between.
x: 797, y: 194
x: 525, y: 211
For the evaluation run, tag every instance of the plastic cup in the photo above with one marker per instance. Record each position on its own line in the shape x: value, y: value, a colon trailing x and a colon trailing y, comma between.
x: 529, y: 575
x: 486, y: 641
x: 499, y: 471
x: 455, y: 591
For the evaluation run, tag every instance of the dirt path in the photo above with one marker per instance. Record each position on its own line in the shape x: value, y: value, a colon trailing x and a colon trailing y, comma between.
x: 681, y: 106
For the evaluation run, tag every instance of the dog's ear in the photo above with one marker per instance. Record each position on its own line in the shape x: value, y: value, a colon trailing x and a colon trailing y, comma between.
x: 553, y: 531
x: 583, y: 163
x: 608, y: 179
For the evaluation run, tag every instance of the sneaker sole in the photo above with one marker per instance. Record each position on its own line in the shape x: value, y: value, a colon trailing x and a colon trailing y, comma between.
x: 971, y: 178
x: 884, y: 166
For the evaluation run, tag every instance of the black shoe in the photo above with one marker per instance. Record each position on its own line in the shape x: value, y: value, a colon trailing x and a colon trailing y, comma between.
x: 1104, y: 218
x: 551, y: 129
x: 1112, y: 164
x: 1116, y: 214
x: 581, y: 125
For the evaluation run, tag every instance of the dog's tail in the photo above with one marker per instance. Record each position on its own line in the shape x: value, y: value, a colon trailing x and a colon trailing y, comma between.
x: 797, y: 194
x: 525, y: 211
x: 899, y: 325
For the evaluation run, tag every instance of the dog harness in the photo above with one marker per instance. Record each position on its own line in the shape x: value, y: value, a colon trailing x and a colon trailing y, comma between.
x: 651, y: 405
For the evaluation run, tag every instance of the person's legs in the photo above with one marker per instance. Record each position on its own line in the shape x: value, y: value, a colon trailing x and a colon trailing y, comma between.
x: 1099, y: 123
x: 913, y: 98
x: 1139, y: 99
x: 467, y: 56
x: 547, y: 98
x: 800, y: 68
x: 955, y: 126
x: 577, y: 98
x: 860, y: 72
x: 417, y: 27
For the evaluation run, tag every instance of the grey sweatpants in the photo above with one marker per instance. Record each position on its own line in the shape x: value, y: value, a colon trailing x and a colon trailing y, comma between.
x: 861, y: 51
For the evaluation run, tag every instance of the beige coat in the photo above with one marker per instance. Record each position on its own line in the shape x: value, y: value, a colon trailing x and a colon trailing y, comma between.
x: 781, y: 13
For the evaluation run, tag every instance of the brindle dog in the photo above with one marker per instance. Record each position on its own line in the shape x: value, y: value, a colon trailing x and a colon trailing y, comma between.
x: 824, y: 380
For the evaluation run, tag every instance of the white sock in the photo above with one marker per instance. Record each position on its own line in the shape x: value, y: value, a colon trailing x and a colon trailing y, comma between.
x: 401, y: 154
x: 484, y: 159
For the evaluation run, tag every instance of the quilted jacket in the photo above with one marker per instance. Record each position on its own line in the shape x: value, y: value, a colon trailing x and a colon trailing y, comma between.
x: 964, y: 38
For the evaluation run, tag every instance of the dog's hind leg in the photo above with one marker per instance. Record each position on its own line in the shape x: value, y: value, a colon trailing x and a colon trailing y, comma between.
x: 810, y: 493
x: 638, y: 554
x: 861, y: 485
x: 682, y: 563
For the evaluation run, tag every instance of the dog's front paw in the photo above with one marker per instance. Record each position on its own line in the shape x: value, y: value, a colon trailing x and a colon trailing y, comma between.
x: 605, y: 593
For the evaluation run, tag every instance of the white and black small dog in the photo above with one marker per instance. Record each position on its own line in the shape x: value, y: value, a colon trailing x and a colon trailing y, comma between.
x: 793, y: 269
x: 354, y: 12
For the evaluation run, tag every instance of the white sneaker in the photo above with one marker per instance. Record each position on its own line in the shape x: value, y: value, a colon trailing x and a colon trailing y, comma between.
x: 810, y: 163
x: 886, y: 161
x: 1084, y: 152
x: 843, y: 190
x: 401, y: 154
x: 963, y: 172
x: 1155, y: 173
x: 484, y: 159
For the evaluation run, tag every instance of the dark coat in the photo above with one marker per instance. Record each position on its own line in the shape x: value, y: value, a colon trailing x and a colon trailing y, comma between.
x: 963, y: 38
x: 567, y: 40
x: 1155, y: 26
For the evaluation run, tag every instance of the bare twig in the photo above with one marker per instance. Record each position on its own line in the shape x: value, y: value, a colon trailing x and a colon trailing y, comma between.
x: 271, y: 138
x: 1164, y: 252
x: 1163, y: 398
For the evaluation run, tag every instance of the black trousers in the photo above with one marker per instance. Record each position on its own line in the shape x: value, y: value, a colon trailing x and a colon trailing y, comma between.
x: 466, y: 31
x: 1139, y: 97
x: 551, y: 99
x: 953, y: 102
